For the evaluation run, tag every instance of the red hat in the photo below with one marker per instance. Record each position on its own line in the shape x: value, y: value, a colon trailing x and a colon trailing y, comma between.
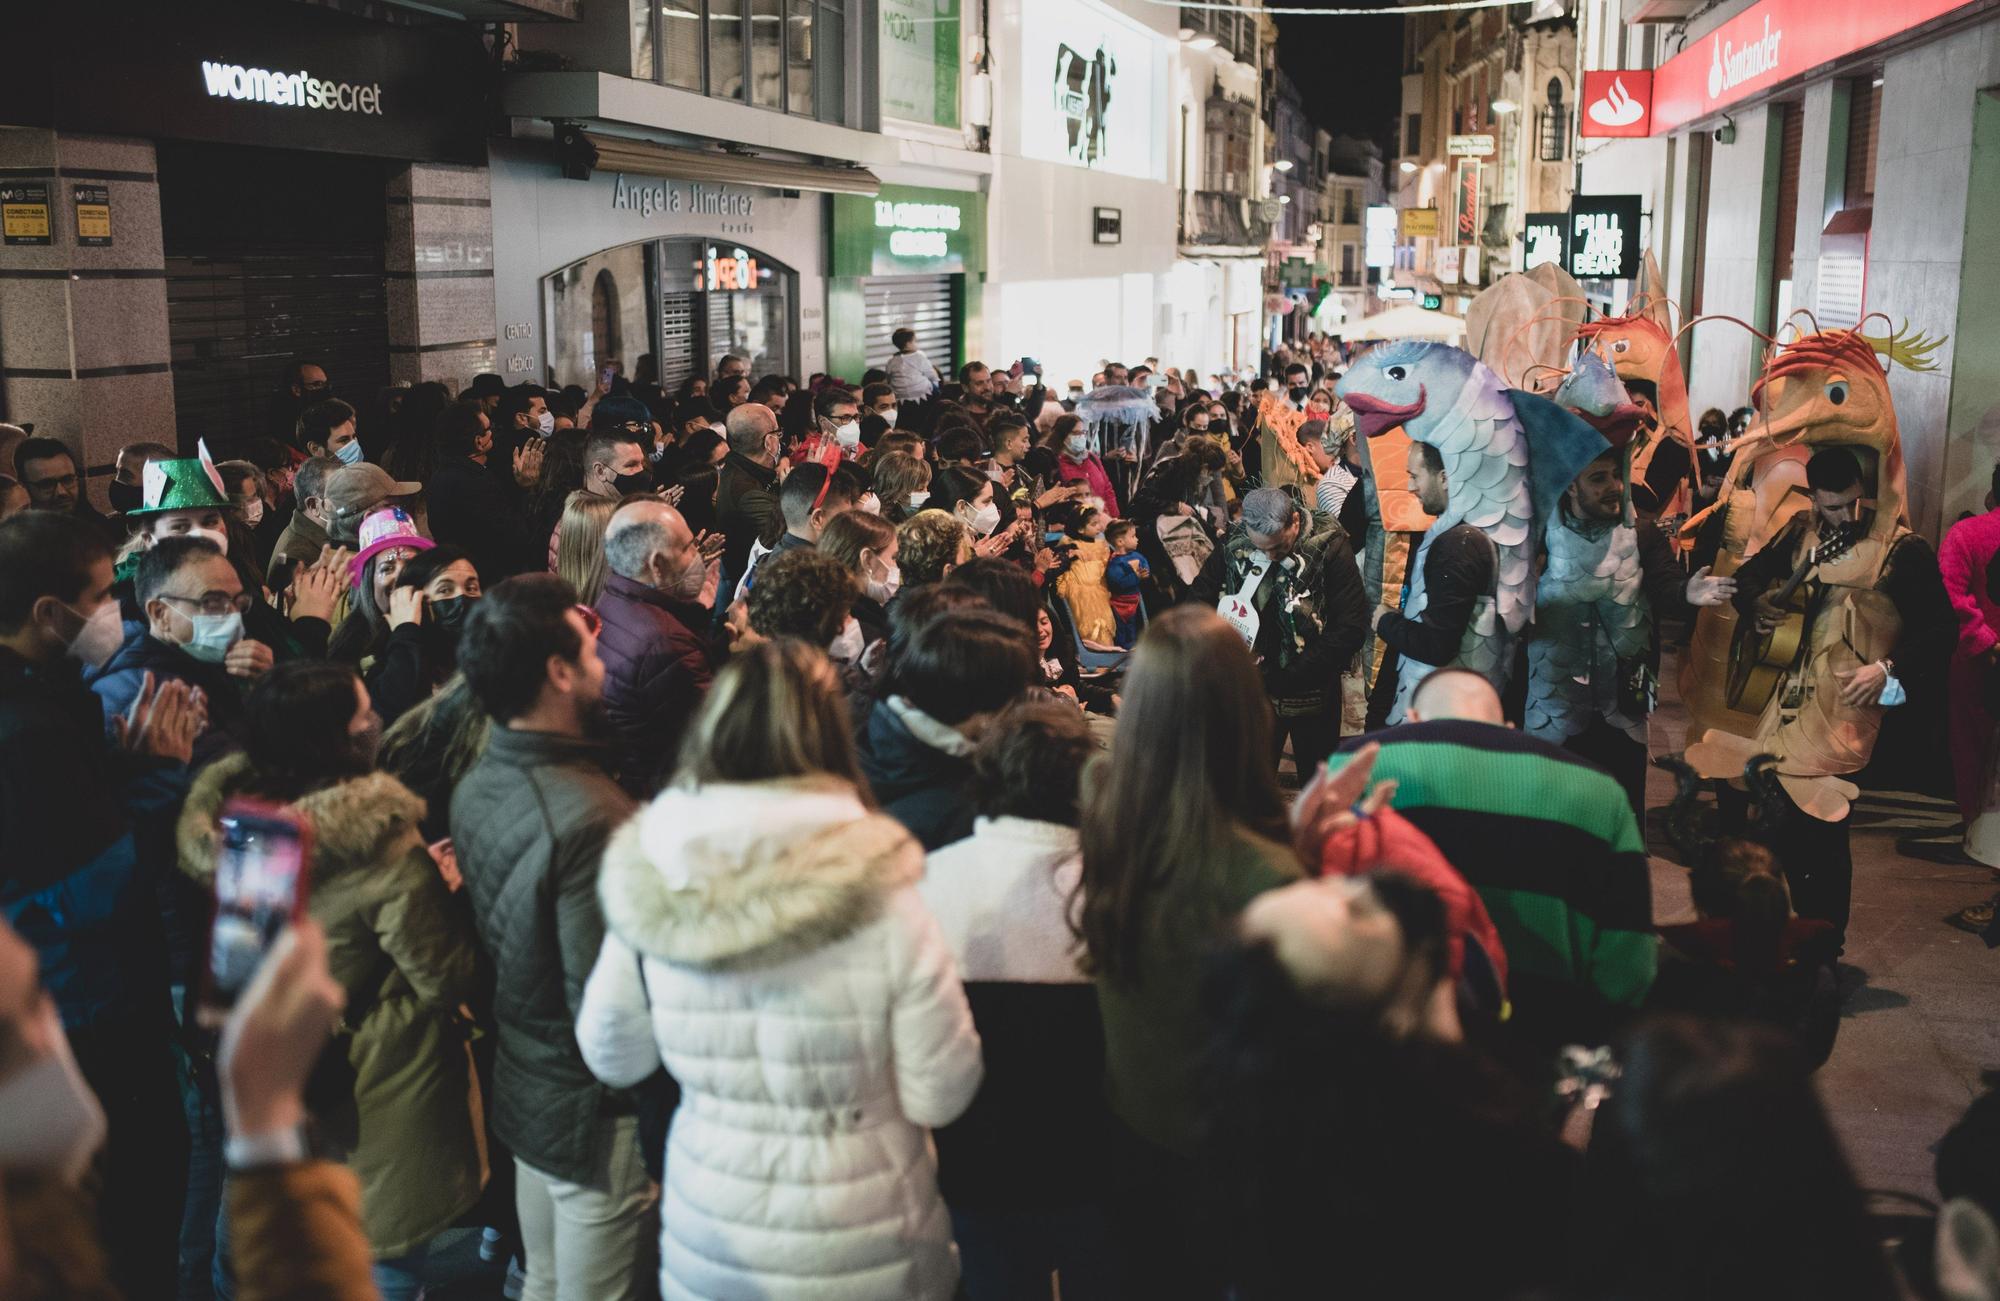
x: 1387, y: 841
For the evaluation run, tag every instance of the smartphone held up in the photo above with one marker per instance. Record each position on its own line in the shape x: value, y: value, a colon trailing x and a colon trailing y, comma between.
x: 261, y: 871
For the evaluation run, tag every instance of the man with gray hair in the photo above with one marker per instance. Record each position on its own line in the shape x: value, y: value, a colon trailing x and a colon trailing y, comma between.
x: 305, y: 532
x: 1289, y: 585
x: 656, y: 666
x: 746, y: 490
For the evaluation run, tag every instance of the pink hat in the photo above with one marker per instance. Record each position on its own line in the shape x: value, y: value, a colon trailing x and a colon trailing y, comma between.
x: 389, y: 527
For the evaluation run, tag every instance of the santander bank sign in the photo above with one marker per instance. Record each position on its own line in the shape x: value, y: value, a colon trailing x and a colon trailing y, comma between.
x: 1772, y: 42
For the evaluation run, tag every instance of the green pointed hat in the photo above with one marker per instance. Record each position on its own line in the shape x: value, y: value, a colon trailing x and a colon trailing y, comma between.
x: 186, y: 484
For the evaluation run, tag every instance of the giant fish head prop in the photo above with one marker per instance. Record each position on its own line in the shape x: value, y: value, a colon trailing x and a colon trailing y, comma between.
x: 1411, y: 383
x: 1593, y: 391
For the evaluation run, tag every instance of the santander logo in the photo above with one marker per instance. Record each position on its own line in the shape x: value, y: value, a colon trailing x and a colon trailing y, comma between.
x: 1617, y: 108
x: 1730, y: 66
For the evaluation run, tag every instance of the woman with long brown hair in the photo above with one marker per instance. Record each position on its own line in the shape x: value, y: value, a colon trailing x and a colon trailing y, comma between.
x: 1185, y: 825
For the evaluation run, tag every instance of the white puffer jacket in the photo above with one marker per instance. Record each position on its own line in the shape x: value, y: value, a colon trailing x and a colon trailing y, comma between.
x: 805, y: 1000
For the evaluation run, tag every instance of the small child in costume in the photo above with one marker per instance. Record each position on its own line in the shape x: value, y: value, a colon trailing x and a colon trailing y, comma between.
x: 1082, y: 584
x: 1123, y: 577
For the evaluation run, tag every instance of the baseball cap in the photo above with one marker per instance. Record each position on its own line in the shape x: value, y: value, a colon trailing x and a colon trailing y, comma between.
x: 354, y: 490
x: 389, y: 527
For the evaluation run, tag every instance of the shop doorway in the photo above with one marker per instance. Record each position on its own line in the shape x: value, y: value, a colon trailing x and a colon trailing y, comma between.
x: 927, y: 304
x: 689, y: 302
x: 272, y: 257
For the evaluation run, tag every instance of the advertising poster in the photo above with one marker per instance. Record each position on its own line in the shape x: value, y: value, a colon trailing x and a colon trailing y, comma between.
x: 1093, y: 89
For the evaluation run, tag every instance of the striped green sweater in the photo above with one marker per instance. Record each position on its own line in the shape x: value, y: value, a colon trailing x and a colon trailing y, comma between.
x: 1551, y: 845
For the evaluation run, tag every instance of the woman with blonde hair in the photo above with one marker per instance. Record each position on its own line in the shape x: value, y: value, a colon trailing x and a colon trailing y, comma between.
x: 767, y: 945
x: 580, y: 542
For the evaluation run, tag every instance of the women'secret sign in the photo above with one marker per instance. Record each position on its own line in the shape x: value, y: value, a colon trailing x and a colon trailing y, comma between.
x: 289, y: 89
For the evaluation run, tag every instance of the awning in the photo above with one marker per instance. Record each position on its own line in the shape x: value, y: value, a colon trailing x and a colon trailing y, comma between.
x: 1408, y: 322
x: 645, y: 158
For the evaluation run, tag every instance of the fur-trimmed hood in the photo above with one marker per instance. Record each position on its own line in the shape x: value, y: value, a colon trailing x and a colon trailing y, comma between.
x: 748, y: 874
x: 354, y: 822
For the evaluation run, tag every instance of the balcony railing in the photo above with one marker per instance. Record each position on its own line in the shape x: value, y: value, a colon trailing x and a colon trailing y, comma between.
x: 1219, y: 219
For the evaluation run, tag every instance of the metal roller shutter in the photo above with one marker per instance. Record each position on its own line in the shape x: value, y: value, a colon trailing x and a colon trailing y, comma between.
x: 254, y: 287
x: 922, y: 303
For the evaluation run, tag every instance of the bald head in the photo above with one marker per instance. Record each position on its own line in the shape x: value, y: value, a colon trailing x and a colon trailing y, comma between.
x: 648, y: 542
x: 749, y: 426
x: 1456, y: 693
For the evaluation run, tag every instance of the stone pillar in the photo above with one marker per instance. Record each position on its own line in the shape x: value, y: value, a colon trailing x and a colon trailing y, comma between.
x: 84, y: 351
x: 440, y: 268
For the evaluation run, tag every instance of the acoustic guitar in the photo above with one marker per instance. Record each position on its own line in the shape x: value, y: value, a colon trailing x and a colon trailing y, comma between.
x: 1759, y: 661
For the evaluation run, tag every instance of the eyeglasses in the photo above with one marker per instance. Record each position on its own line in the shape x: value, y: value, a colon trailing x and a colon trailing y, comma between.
x: 214, y: 603
x: 593, y: 622
x: 60, y: 481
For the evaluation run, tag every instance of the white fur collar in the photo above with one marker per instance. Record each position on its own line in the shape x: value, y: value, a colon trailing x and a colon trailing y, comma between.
x: 936, y: 735
x: 748, y: 874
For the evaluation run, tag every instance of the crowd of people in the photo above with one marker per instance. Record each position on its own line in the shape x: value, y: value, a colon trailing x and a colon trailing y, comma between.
x: 909, y: 838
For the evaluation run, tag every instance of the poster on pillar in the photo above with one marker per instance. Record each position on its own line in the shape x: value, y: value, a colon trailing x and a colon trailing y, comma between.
x: 1093, y: 89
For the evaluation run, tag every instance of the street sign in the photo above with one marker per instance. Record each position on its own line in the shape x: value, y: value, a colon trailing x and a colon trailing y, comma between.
x: 1604, y: 236
x: 1478, y: 145
x: 1418, y: 223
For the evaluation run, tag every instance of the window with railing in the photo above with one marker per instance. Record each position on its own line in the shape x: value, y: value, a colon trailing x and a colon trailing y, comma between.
x: 1233, y: 29
x: 785, y: 55
x: 1552, y: 126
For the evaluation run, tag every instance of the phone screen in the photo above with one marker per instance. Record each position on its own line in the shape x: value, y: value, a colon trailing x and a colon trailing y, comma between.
x: 260, y: 876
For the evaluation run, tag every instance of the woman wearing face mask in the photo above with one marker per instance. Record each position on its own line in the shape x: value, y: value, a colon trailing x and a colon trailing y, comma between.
x: 1076, y: 462
x: 976, y: 504
x: 867, y: 545
x: 428, y: 603
x: 405, y: 958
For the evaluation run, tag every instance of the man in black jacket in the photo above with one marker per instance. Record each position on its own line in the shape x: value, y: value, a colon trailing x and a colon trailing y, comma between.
x: 1297, y: 600
x: 529, y: 823
x: 73, y: 807
x: 475, y: 506
x: 746, y: 494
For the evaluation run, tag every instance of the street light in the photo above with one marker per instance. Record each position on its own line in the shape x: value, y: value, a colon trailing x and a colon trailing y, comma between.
x: 1202, y: 43
x: 1408, y: 167
x: 1282, y: 165
x: 1504, y: 106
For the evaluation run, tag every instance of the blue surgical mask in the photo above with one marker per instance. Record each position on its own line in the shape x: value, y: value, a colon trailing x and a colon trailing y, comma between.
x: 1077, y: 444
x: 348, y: 453
x: 214, y: 634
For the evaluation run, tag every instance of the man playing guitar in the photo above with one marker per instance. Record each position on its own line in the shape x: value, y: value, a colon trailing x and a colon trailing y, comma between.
x: 1876, y: 623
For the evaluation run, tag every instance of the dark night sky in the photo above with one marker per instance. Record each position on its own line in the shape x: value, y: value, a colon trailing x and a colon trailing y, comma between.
x: 1348, y: 70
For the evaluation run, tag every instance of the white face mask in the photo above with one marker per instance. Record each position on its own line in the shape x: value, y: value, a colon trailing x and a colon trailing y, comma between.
x: 985, y: 519
x: 688, y: 586
x: 101, y: 635
x: 917, y: 499
x: 849, y: 434
x: 847, y: 647
x: 870, y: 504
x: 883, y: 590
x: 253, y: 511
x: 214, y: 634
x: 888, y: 414
x: 49, y: 1119
x: 546, y: 422
x: 720, y: 429
x: 1077, y: 444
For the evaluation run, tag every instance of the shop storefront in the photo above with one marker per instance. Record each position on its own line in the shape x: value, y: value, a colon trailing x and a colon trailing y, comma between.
x: 599, y: 271
x: 907, y: 257
x: 226, y: 188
